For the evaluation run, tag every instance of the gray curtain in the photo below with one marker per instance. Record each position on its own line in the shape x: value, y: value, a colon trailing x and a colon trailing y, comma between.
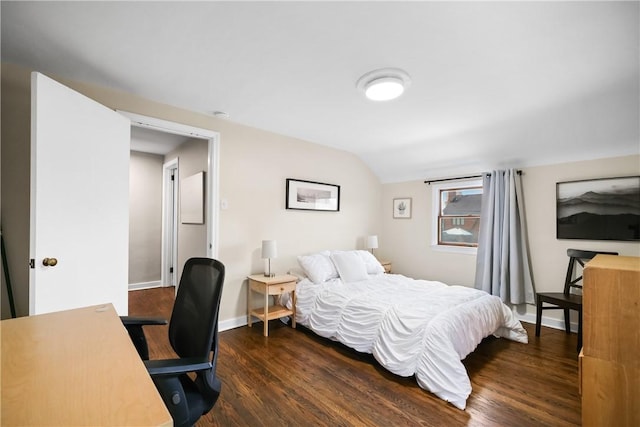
x: 502, y: 266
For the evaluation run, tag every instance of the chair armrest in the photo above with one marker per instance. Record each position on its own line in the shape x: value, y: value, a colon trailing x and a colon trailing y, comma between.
x: 177, y: 366
x: 141, y: 321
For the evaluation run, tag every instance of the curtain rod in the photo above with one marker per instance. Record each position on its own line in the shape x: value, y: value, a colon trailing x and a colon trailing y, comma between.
x: 518, y: 171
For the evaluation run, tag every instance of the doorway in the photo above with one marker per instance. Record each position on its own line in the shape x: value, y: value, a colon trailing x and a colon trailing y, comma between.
x: 166, y: 138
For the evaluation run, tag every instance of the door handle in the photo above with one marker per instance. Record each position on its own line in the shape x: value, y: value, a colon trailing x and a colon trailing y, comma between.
x: 49, y: 262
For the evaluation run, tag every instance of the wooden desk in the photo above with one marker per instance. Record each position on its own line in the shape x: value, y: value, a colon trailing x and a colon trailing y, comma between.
x: 72, y: 368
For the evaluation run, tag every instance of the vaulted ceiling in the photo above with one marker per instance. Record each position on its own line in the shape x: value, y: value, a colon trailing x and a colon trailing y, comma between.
x: 494, y: 84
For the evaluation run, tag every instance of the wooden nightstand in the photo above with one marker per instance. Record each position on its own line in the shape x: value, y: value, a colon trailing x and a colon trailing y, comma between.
x: 386, y: 265
x: 277, y: 285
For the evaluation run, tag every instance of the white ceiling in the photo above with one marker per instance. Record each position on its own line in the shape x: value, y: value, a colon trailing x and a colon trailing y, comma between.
x: 494, y: 84
x: 152, y: 141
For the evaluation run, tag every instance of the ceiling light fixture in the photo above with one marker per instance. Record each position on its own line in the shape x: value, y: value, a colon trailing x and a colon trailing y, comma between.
x: 384, y: 84
x: 221, y: 114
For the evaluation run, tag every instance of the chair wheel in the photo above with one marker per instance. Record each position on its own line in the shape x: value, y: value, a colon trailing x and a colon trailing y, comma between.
x: 175, y: 398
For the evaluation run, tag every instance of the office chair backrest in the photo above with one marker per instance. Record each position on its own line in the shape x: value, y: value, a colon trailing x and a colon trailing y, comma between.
x: 193, y: 327
x: 581, y: 257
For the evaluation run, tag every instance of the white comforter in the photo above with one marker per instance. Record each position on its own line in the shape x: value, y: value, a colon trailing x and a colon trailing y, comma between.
x: 412, y: 327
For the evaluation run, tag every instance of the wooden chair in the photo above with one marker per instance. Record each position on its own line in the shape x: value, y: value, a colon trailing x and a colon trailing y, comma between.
x: 567, y: 300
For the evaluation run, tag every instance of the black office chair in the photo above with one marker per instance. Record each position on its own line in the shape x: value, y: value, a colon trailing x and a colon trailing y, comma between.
x: 193, y: 334
x: 567, y: 300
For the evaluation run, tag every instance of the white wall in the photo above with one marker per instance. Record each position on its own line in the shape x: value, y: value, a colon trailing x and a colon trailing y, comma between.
x: 254, y: 165
x: 253, y: 168
x: 16, y: 151
x: 548, y: 254
x: 192, y: 238
x: 407, y: 242
x: 145, y: 217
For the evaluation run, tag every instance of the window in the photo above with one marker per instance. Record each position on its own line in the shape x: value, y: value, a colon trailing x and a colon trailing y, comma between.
x: 456, y: 214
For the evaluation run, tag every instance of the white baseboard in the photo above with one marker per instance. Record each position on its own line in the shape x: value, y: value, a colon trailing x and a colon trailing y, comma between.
x: 237, y: 322
x: 546, y: 321
x: 528, y: 318
x: 145, y: 285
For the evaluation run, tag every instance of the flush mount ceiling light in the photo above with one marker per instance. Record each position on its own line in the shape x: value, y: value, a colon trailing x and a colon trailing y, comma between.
x: 384, y: 84
x: 221, y: 114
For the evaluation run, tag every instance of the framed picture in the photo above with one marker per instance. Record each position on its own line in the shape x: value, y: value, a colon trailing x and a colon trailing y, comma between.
x: 402, y: 208
x: 312, y: 196
x: 599, y: 209
x: 192, y: 199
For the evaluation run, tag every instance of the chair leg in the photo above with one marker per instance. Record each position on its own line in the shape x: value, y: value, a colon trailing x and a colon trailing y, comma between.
x: 567, y: 321
x: 538, y: 317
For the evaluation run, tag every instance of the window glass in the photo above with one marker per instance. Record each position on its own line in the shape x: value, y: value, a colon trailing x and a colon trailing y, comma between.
x: 459, y: 216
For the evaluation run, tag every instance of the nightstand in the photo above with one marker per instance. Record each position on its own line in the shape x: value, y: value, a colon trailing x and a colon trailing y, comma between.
x: 277, y: 285
x: 386, y: 265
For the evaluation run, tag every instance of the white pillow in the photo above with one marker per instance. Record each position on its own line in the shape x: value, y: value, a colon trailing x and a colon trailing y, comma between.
x: 318, y: 267
x: 372, y: 263
x: 350, y: 266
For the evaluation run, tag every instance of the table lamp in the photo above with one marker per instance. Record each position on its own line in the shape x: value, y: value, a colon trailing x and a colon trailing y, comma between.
x: 372, y: 243
x: 269, y: 250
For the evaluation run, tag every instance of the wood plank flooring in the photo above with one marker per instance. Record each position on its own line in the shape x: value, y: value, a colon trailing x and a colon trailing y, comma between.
x: 295, y: 378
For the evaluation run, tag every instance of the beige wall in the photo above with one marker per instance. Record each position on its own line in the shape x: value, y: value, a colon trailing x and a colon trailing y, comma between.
x: 548, y: 254
x: 16, y: 128
x: 407, y: 242
x: 145, y: 217
x: 192, y: 238
x: 253, y: 167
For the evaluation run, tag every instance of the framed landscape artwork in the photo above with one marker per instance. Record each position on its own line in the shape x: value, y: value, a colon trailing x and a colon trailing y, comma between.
x: 599, y: 209
x: 312, y: 196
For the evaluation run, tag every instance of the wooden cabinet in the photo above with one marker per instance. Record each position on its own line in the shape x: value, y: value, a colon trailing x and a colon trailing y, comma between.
x: 610, y: 362
x: 276, y: 285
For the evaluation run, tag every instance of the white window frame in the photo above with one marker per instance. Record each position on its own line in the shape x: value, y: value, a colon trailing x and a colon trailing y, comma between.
x: 435, y: 212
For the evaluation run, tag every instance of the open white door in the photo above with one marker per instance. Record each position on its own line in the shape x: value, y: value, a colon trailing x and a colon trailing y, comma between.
x: 79, y: 201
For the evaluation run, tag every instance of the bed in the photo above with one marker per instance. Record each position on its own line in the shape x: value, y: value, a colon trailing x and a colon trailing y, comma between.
x: 412, y: 327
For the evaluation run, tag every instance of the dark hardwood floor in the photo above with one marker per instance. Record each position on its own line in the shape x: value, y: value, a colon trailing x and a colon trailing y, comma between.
x: 295, y: 378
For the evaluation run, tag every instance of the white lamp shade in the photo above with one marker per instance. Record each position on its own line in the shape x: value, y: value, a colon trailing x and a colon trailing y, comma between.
x: 269, y: 249
x: 372, y: 242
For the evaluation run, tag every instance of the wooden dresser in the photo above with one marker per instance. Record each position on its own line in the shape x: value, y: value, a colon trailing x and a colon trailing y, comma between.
x: 610, y: 358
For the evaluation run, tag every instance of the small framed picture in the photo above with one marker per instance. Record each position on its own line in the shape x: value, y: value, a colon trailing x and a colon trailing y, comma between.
x: 402, y: 208
x: 312, y: 196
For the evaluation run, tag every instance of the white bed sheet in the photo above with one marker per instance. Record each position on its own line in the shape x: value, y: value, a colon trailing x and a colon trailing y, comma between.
x: 412, y: 327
